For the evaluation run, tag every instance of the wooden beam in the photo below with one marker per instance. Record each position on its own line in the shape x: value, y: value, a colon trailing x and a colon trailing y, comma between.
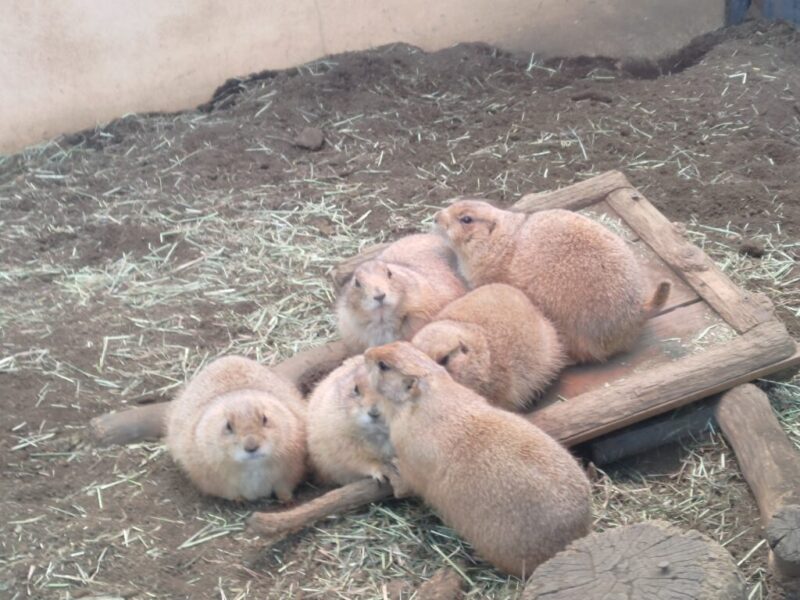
x: 740, y: 309
x: 771, y: 466
x: 575, y: 196
x: 654, y: 391
x: 277, y: 524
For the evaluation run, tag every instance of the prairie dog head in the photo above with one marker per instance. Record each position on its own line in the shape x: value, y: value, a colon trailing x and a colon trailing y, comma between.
x: 458, y: 347
x: 468, y: 225
x: 399, y: 372
x: 375, y: 289
x: 246, y: 426
x: 363, y: 402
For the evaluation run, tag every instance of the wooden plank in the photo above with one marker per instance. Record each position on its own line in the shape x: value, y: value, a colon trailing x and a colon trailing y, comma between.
x: 771, y: 465
x: 758, y: 352
x: 742, y: 310
x: 575, y: 196
x: 665, y: 338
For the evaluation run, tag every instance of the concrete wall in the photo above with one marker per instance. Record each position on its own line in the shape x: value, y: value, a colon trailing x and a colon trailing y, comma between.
x: 70, y: 64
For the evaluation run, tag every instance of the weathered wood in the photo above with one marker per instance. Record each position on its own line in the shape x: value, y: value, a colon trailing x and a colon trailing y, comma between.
x: 651, y: 434
x: 771, y: 466
x: 742, y: 310
x: 667, y: 386
x: 344, y: 271
x: 575, y: 196
x: 138, y: 424
x: 664, y: 339
x: 645, y: 561
x: 353, y: 495
x: 148, y: 422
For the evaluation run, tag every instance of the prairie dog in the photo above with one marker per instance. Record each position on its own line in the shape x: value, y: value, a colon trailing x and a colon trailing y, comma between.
x: 496, y: 342
x: 583, y: 277
x: 394, y: 295
x: 348, y: 438
x: 238, y: 431
x: 504, y: 485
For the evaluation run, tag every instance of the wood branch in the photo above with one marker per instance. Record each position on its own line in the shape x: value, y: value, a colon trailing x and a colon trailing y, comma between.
x: 651, y: 434
x: 138, y: 424
x: 344, y: 271
x: 148, y: 422
x: 351, y: 496
x: 742, y: 310
x: 646, y: 561
x: 771, y: 466
x: 667, y: 386
x: 575, y: 196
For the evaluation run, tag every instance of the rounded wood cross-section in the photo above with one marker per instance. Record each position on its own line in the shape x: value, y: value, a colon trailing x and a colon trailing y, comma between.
x: 646, y: 561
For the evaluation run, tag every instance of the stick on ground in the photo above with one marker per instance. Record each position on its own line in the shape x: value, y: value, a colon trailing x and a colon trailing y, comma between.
x: 771, y: 465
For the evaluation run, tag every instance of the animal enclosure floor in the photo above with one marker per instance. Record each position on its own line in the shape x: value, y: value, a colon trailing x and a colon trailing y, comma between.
x: 133, y: 254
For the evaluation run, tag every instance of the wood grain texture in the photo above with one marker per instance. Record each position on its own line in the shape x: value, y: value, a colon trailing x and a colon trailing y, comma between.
x: 645, y: 561
x: 741, y: 309
x: 771, y: 466
x: 353, y: 495
x: 667, y: 386
x: 575, y: 196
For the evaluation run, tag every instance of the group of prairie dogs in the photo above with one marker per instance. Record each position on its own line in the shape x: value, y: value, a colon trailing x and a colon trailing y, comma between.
x: 452, y: 331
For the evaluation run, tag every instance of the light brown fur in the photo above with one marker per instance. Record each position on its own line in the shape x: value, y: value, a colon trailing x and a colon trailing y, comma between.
x: 496, y: 342
x: 505, y: 486
x: 582, y: 276
x: 217, y: 434
x: 393, y: 296
x: 348, y: 438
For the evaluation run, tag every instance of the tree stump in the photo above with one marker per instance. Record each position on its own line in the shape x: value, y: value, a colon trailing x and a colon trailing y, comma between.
x: 646, y: 561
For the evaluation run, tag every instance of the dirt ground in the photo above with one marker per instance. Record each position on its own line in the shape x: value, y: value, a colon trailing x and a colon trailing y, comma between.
x: 133, y: 254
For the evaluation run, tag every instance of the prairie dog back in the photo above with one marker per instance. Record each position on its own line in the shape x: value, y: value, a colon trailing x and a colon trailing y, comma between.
x: 348, y: 439
x: 581, y: 275
x: 503, y: 484
x: 238, y: 431
x: 496, y: 342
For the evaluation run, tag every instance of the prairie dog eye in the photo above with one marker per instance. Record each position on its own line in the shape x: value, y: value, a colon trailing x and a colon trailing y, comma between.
x: 443, y: 361
x: 389, y: 273
x: 356, y: 391
x: 465, y: 219
x: 357, y: 283
x: 264, y: 420
x: 383, y: 366
x: 228, y: 427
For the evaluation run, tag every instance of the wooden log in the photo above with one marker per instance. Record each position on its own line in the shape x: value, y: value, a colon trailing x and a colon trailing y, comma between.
x: 575, y: 196
x: 771, y: 466
x: 741, y: 309
x: 758, y: 352
x: 645, y: 561
x: 353, y: 495
x: 147, y: 422
x: 651, y: 434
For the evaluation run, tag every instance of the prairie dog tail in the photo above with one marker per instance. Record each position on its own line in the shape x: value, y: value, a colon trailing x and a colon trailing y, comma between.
x: 658, y: 299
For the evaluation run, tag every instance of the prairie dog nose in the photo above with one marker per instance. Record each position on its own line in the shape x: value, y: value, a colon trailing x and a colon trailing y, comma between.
x: 373, y: 412
x: 380, y: 296
x: 250, y: 446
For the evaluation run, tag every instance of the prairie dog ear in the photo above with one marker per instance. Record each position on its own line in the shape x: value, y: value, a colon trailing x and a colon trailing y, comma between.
x: 463, y: 347
x: 492, y: 225
x: 412, y: 386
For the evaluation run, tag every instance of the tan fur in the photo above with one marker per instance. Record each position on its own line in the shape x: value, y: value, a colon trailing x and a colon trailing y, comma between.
x: 582, y: 276
x: 510, y: 490
x: 240, y: 392
x: 348, y: 438
x: 495, y: 341
x: 393, y: 296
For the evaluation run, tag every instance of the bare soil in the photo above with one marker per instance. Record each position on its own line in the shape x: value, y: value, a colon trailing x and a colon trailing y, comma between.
x: 712, y: 137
